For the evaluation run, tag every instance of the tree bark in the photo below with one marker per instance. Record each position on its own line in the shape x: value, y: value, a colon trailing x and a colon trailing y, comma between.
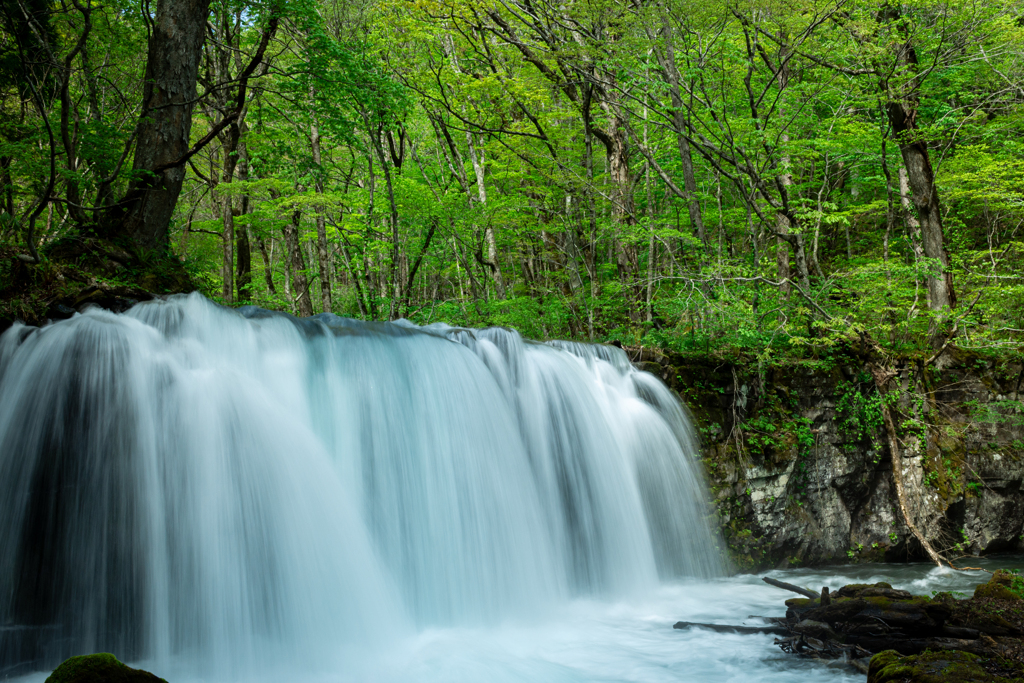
x: 227, y: 213
x: 926, y: 200
x: 909, y: 218
x: 392, y: 291
x: 268, y: 265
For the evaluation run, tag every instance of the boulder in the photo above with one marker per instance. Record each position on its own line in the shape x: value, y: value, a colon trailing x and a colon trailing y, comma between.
x: 99, y: 668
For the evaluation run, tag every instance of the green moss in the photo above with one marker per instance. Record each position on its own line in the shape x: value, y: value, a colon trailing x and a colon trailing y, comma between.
x: 99, y: 668
x: 802, y: 603
x: 948, y: 666
x: 995, y: 591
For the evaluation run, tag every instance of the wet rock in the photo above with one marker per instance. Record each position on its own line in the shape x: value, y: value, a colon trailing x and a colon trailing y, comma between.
x: 872, y: 590
x: 99, y: 668
x: 815, y: 629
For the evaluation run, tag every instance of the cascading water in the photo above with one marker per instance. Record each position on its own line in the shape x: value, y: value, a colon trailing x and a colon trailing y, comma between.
x: 234, y: 488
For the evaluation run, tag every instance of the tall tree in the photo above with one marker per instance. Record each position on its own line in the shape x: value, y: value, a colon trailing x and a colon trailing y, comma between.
x: 165, y: 123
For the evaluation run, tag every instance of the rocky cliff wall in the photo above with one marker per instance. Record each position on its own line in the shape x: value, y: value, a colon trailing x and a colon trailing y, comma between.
x: 799, y: 469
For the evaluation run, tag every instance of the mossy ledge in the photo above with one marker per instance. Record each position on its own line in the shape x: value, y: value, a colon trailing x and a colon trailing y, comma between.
x: 75, y: 273
x: 102, y: 667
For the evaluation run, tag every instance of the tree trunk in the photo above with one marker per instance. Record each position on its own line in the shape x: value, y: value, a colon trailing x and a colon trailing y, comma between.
x: 901, y: 109
x: 300, y: 283
x: 227, y: 269
x: 783, y: 224
x: 268, y: 265
x: 925, y: 197
x: 670, y: 73
x: 589, y: 255
x: 172, y: 65
x: 881, y: 377
x: 322, y: 252
x: 243, y: 250
x: 909, y: 217
x: 623, y: 211
x: 489, y: 239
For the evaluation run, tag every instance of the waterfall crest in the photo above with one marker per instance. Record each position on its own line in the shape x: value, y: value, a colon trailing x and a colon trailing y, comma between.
x: 229, y: 486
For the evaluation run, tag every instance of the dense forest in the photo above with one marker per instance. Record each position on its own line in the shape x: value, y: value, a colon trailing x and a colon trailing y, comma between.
x: 760, y: 174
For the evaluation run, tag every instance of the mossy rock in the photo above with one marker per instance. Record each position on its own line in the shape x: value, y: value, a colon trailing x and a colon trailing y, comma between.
x: 803, y: 603
x: 99, y: 668
x: 948, y: 666
x: 995, y: 591
x: 1003, y: 578
x: 869, y: 590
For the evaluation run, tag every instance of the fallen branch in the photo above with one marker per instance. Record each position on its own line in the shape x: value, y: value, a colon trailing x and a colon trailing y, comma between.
x: 790, y: 587
x: 729, y: 628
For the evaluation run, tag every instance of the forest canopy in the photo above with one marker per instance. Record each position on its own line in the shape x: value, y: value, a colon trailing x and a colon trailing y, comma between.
x: 758, y: 175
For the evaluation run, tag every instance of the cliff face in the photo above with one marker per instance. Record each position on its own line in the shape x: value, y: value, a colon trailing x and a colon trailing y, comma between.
x: 800, y: 472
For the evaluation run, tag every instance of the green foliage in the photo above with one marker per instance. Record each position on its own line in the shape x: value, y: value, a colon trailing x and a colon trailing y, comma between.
x: 473, y: 169
x: 1016, y: 582
x: 859, y: 406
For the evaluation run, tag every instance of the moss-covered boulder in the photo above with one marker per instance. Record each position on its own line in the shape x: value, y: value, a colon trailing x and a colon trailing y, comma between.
x: 997, y: 588
x: 949, y: 666
x: 99, y: 668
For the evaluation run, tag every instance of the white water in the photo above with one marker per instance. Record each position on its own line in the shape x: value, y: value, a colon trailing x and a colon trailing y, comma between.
x: 231, y: 495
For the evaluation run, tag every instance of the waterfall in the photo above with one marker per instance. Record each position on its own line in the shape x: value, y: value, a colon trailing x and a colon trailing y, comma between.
x: 233, y: 487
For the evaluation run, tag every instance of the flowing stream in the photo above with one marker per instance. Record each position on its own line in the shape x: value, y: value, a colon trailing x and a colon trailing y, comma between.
x: 221, y: 495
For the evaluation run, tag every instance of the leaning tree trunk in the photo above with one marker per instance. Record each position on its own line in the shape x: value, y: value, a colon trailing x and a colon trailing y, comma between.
x: 172, y: 65
x: 881, y: 376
